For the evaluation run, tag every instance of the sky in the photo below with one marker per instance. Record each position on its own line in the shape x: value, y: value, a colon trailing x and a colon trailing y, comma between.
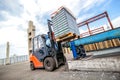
x: 15, y: 14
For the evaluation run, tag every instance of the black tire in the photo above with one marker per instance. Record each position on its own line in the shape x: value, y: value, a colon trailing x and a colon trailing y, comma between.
x: 49, y: 64
x: 32, y: 67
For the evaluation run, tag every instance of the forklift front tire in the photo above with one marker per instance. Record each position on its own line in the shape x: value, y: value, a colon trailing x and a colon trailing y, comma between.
x: 49, y: 64
x: 32, y: 66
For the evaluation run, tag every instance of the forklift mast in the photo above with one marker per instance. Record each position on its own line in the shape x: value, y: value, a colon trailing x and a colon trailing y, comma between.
x: 51, y: 34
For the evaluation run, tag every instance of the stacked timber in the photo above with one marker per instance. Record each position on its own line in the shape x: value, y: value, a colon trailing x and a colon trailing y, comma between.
x: 116, y: 42
x: 98, y: 46
x: 102, y: 45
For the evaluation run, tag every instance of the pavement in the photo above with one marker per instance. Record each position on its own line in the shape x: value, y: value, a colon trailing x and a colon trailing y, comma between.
x: 21, y: 71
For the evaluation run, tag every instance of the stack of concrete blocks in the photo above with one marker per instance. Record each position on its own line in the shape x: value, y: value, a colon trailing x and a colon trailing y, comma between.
x: 31, y: 34
x: 97, y: 64
x: 64, y: 22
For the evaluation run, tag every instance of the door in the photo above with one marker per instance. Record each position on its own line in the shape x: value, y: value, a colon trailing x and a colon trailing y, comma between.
x: 39, y: 47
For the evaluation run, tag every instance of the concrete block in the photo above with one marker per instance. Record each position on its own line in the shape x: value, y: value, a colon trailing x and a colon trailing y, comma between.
x: 98, y: 64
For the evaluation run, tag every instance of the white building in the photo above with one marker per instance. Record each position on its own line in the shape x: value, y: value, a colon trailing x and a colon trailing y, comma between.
x: 64, y: 22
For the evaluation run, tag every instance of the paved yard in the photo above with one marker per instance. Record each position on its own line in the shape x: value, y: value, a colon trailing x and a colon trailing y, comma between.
x: 21, y: 71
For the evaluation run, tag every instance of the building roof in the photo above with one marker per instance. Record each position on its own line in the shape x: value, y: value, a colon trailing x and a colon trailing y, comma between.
x: 59, y: 9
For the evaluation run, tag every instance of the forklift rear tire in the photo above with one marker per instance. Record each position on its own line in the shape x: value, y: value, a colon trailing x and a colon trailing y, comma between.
x: 32, y: 66
x: 49, y: 64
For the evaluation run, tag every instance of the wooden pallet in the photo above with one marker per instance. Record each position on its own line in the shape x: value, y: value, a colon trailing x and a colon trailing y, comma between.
x: 90, y: 47
x: 97, y: 46
x: 102, y: 45
x: 66, y: 50
x: 93, y: 46
x: 110, y: 44
x: 67, y: 37
x: 116, y: 42
x: 86, y: 47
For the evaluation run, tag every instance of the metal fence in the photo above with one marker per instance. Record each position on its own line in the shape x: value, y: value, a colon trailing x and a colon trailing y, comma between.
x: 14, y: 59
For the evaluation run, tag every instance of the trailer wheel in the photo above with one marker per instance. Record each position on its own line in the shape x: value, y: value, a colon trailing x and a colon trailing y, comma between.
x: 49, y: 64
x: 32, y: 66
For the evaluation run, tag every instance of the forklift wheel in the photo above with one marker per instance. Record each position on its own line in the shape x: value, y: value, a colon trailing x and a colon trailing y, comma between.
x: 32, y: 66
x: 49, y: 64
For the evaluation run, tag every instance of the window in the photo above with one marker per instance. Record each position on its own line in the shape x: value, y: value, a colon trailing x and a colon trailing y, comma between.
x: 38, y: 43
x: 29, y: 33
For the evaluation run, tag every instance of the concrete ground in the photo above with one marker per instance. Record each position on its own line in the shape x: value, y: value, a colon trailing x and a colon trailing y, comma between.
x: 21, y: 71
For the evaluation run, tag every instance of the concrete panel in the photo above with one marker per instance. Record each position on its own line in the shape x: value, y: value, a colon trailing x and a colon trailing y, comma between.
x: 104, y: 64
x: 105, y: 60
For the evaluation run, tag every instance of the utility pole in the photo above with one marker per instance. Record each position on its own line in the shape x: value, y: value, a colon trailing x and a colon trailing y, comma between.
x: 7, y: 53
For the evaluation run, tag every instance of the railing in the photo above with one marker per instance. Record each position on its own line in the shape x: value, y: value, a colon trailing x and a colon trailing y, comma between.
x: 98, y: 30
x: 14, y: 59
x: 95, y: 31
x: 84, y: 34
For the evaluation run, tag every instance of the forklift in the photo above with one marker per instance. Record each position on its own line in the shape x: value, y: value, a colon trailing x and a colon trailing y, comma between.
x: 46, y: 52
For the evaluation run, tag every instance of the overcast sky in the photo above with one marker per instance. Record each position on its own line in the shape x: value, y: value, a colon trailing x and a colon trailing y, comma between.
x: 15, y: 14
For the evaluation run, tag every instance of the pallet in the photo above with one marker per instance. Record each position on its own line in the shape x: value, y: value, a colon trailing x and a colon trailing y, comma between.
x: 66, y: 50
x: 67, y: 37
x: 97, y: 46
x: 94, y: 47
x: 91, y: 47
x: 102, y: 45
x: 116, y: 42
x: 110, y: 44
x: 86, y: 47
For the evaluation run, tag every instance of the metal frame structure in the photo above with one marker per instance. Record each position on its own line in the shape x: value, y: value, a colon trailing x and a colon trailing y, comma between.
x: 95, y: 18
x: 95, y: 31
